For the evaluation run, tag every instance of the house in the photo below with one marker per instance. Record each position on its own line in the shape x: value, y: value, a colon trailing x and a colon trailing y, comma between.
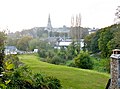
x: 35, y: 51
x: 67, y: 42
x: 10, y: 50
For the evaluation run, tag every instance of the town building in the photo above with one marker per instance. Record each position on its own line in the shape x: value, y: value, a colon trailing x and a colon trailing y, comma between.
x: 10, y: 50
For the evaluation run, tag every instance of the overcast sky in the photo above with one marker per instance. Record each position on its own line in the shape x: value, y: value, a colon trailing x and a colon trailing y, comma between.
x: 23, y: 14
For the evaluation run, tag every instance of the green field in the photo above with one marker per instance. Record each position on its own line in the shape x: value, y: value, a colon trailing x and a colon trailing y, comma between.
x: 71, y: 78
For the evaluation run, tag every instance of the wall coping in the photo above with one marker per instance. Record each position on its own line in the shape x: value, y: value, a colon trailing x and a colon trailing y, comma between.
x: 115, y: 56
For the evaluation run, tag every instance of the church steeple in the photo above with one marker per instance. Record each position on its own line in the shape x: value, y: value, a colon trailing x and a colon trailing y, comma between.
x: 49, y: 26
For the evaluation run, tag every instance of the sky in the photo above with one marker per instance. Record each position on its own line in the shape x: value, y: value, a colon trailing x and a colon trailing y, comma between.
x: 16, y: 15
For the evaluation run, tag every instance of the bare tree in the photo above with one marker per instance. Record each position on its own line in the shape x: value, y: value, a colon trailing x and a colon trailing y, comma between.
x: 117, y: 14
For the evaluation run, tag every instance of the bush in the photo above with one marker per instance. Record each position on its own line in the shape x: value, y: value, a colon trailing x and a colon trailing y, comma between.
x: 102, y: 65
x: 70, y: 63
x: 56, y: 60
x: 84, y: 61
x: 42, y: 53
x: 42, y: 82
x: 17, y: 76
x: 22, y: 78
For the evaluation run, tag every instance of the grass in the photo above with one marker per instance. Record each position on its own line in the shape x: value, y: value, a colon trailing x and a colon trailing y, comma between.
x: 71, y: 78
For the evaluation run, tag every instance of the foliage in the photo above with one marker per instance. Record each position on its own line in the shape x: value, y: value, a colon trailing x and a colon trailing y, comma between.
x: 34, y: 44
x: 104, y: 40
x: 57, y: 60
x: 94, y: 42
x: 22, y: 78
x: 105, y: 36
x: 16, y: 76
x: 71, y: 51
x: 11, y: 41
x: 117, y: 14
x: 23, y: 43
x: 62, y: 53
x: 83, y: 61
x: 44, y: 49
x: 70, y: 63
x: 100, y: 64
x: 91, y: 42
x: 2, y: 44
x: 87, y: 41
x: 42, y: 53
x: 50, y: 53
x: 46, y: 82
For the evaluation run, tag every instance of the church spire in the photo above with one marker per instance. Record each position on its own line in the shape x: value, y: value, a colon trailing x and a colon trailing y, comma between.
x: 49, y: 26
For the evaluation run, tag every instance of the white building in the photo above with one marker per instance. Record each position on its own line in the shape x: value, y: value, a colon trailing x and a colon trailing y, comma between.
x: 10, y: 50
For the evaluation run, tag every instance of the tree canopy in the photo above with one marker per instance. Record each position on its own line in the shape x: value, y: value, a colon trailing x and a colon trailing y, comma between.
x: 104, y: 40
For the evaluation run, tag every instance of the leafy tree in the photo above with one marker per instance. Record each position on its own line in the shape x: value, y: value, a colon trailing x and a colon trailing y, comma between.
x: 62, y: 53
x: 115, y: 42
x: 83, y: 61
x: 117, y: 39
x: 106, y: 36
x: 23, y: 43
x: 71, y: 51
x: 2, y: 44
x: 34, y: 44
x: 11, y: 41
x: 88, y: 40
x: 43, y: 49
x: 94, y: 42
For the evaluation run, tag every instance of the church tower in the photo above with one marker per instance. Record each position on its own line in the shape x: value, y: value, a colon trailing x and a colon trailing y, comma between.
x: 49, y: 26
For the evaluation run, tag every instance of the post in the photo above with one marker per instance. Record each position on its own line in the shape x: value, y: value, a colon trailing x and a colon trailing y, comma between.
x: 115, y: 69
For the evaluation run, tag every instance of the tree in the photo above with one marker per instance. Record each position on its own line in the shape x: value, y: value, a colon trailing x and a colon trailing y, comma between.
x: 71, y: 51
x: 2, y: 44
x: 115, y: 42
x: 105, y: 37
x: 23, y: 43
x: 34, y: 44
x: 88, y: 41
x: 117, y: 14
x: 11, y: 41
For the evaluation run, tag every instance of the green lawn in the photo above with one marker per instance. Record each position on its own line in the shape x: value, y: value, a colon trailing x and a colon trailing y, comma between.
x: 71, y: 78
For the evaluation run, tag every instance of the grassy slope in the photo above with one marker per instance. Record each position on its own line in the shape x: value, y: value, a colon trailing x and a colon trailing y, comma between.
x: 71, y: 78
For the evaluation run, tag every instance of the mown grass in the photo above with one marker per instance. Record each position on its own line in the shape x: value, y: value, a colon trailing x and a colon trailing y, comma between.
x: 71, y: 78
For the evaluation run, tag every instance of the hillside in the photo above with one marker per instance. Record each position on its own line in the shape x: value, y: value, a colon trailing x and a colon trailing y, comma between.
x: 71, y: 78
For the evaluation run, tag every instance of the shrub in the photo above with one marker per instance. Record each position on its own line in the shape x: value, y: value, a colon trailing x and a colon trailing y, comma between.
x: 42, y: 53
x: 22, y: 78
x: 70, y: 63
x: 84, y: 61
x: 43, y: 82
x: 102, y: 65
x: 56, y: 60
